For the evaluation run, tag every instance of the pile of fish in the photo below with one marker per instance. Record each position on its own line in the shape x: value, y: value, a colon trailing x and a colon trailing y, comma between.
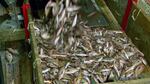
x: 73, y: 53
x: 10, y: 55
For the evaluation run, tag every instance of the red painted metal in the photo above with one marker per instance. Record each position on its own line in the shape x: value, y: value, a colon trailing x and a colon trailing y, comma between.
x: 135, y: 1
x: 25, y: 8
x: 126, y: 15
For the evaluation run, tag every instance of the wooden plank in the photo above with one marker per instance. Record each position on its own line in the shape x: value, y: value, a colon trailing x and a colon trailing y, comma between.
x: 11, y: 34
x: 36, y: 60
x: 1, y: 73
x: 25, y: 69
x: 37, y: 70
x: 139, y: 81
x: 3, y: 78
x: 3, y: 67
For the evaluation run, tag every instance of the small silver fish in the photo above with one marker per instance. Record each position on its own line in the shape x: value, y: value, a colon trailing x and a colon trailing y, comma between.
x: 62, y: 71
x: 72, y: 70
x: 100, y: 78
x: 116, y: 69
x: 72, y: 8
x: 48, y: 5
x: 133, y: 67
x: 81, y: 55
x: 67, y: 3
x: 9, y: 57
x: 47, y: 82
x: 45, y: 35
x: 75, y: 21
x: 144, y: 61
x: 55, y: 10
x: 139, y: 69
x: 13, y: 51
x: 62, y: 16
x: 89, y: 61
x: 59, y: 31
x: 46, y: 70
x: 56, y: 40
x: 87, y: 79
x: 61, y: 9
x: 71, y: 40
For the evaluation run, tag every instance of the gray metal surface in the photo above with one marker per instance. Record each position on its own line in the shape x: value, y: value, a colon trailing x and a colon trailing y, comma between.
x: 12, y: 22
x: 9, y: 24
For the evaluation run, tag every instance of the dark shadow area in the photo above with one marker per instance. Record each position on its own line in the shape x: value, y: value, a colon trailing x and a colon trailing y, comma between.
x: 1, y: 74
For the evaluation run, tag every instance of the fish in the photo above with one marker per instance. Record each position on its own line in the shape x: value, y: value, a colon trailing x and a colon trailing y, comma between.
x: 45, y: 36
x: 131, y: 68
x: 9, y: 57
x: 100, y: 78
x: 143, y: 61
x: 61, y: 9
x: 89, y: 61
x: 13, y: 51
x: 73, y: 52
x: 48, y: 6
x: 60, y: 55
x: 72, y: 8
x: 67, y: 3
x: 116, y: 69
x: 56, y: 40
x: 41, y: 51
x: 87, y: 79
x: 62, y: 16
x: 62, y: 71
x: 75, y: 21
x: 81, y: 54
x: 71, y: 40
x: 72, y: 70
x: 45, y: 71
x: 139, y: 69
x: 59, y: 31
x: 47, y: 82
x: 105, y: 70
x: 91, y: 14
x: 55, y: 10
